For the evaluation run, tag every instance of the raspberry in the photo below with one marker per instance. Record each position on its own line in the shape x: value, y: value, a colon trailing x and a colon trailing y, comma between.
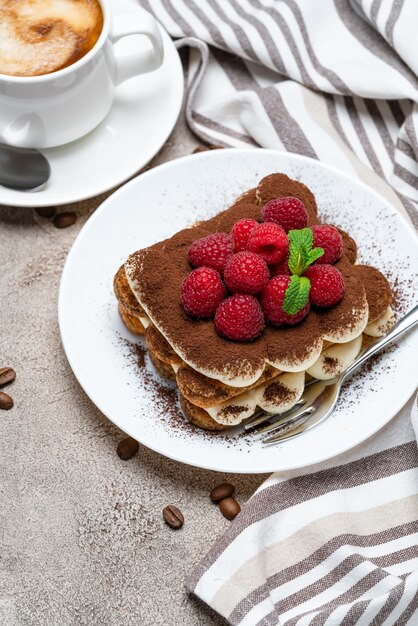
x: 282, y: 268
x: 272, y: 300
x: 211, y: 251
x: 327, y: 237
x: 269, y: 241
x: 246, y: 272
x: 202, y: 291
x: 327, y: 285
x: 241, y: 231
x: 239, y: 318
x: 288, y: 212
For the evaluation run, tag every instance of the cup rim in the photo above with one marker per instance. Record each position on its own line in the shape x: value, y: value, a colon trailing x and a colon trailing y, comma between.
x: 74, y: 66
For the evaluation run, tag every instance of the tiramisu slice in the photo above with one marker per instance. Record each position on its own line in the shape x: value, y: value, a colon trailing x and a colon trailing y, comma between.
x: 243, y: 308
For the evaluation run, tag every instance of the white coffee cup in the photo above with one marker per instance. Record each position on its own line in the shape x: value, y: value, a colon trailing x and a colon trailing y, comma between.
x: 54, y: 109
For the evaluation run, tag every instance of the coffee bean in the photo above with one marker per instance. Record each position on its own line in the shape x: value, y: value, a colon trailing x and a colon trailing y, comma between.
x: 224, y: 490
x: 63, y: 220
x: 7, y: 375
x: 173, y: 516
x: 6, y: 402
x: 46, y: 211
x: 200, y: 149
x: 127, y: 448
x: 229, y: 508
x: 211, y: 146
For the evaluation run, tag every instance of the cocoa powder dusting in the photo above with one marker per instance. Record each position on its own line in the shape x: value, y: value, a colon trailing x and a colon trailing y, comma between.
x: 166, y: 396
x: 138, y: 352
x: 277, y: 393
x: 378, y: 291
x: 279, y: 186
x: 331, y: 364
x: 366, y: 380
x: 232, y: 410
x: 400, y: 290
x: 165, y: 404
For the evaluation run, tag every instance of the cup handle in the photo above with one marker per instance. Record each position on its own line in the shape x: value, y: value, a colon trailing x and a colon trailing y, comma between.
x: 130, y: 65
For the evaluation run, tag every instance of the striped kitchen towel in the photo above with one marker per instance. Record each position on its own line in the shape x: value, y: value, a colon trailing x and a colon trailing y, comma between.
x: 335, y: 545
x: 331, y: 79
x: 335, y: 80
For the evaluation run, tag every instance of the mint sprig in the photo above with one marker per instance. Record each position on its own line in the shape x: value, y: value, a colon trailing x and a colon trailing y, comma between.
x: 301, y: 255
x: 297, y: 294
x: 301, y: 252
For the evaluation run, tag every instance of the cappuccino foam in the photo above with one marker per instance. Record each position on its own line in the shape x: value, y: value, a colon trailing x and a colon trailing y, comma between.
x: 43, y: 36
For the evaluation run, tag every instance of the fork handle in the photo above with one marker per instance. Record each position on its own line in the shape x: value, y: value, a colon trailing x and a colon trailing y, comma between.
x: 406, y: 323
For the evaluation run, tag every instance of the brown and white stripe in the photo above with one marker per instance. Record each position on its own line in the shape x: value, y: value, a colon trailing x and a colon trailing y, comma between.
x: 335, y: 545
x: 335, y: 80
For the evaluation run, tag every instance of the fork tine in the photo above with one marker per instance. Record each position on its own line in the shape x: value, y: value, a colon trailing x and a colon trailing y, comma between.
x: 313, y: 388
x: 261, y: 416
x: 286, y: 430
x: 290, y: 419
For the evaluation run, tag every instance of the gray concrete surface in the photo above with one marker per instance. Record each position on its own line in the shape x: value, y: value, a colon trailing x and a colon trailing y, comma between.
x: 82, y: 540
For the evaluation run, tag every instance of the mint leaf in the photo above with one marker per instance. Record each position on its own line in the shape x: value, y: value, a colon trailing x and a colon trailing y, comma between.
x: 314, y: 254
x: 302, y: 239
x: 300, y: 244
x: 297, y: 295
x: 301, y: 254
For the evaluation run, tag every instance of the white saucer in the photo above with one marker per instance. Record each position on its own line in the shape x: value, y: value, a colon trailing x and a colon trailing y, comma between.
x: 155, y: 205
x: 144, y: 113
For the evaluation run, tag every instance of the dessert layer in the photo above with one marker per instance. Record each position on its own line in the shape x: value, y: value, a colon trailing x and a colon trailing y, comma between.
x: 275, y: 392
x: 213, y: 405
x: 284, y: 391
x: 204, y: 391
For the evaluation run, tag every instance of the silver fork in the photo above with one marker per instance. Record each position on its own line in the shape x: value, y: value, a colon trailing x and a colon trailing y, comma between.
x: 320, y: 397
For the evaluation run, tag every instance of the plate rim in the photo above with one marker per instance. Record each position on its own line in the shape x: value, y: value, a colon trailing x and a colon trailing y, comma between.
x: 35, y: 200
x: 173, y: 163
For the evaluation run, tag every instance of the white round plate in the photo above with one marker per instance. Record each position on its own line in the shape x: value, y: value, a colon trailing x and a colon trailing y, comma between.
x: 164, y: 200
x: 143, y: 115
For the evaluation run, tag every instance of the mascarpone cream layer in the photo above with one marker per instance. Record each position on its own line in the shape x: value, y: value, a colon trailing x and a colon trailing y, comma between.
x: 331, y: 362
x: 381, y: 326
x: 283, y: 392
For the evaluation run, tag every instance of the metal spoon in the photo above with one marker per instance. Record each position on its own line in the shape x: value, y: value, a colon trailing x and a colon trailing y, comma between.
x: 23, y: 169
